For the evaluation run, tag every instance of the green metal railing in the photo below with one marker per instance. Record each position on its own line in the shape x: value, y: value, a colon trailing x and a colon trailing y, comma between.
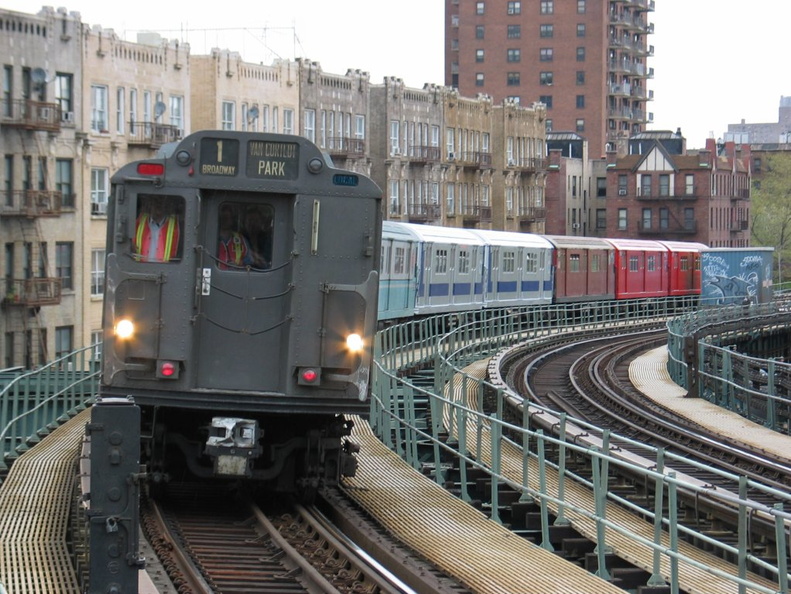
x: 462, y: 431
x: 36, y: 402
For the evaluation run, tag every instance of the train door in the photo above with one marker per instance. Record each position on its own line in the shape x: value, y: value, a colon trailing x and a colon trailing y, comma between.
x: 243, y: 300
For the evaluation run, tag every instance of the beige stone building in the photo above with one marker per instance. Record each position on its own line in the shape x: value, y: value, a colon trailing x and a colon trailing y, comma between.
x: 227, y: 93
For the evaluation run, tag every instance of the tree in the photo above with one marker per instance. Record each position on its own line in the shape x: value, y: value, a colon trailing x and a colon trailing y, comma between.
x: 771, y: 208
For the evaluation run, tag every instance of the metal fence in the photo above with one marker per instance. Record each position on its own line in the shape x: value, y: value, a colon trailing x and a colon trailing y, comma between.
x: 526, y: 458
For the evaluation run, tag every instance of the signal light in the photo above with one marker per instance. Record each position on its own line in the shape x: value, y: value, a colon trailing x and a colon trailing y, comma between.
x: 151, y: 168
x: 168, y: 369
x: 308, y: 376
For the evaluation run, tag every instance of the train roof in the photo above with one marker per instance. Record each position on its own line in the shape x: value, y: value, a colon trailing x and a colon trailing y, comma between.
x: 506, y: 238
x: 576, y: 241
x: 646, y: 245
x: 683, y: 246
x: 429, y: 233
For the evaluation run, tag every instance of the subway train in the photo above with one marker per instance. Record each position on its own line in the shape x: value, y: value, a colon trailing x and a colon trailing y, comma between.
x: 430, y: 270
x: 240, y: 308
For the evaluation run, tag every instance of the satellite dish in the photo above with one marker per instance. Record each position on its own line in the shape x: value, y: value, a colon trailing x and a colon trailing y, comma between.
x: 38, y: 76
x: 159, y: 108
x: 253, y: 113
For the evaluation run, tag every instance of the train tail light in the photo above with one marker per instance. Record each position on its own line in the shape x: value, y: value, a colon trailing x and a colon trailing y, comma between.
x: 309, y: 376
x: 168, y: 370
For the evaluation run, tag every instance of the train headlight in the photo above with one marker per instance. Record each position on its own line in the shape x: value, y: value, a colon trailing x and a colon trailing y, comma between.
x: 354, y: 342
x: 124, y: 329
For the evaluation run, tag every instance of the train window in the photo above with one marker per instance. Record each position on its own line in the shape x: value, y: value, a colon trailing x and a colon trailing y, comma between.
x: 684, y: 263
x: 595, y: 263
x: 399, y: 261
x: 650, y: 263
x: 464, y: 262
x: 441, y: 264
x: 385, y: 265
x: 157, y: 234
x: 634, y: 264
x: 509, y: 260
x: 531, y: 262
x: 244, y: 236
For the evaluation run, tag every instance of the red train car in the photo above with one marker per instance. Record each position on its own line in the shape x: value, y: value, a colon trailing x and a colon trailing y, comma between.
x: 641, y: 268
x: 684, y: 267
x: 583, y: 269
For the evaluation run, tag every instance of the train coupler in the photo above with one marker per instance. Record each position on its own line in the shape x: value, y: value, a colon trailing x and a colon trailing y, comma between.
x: 233, y: 445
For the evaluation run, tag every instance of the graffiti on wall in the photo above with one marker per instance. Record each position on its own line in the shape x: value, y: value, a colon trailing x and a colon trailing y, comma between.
x: 728, y: 280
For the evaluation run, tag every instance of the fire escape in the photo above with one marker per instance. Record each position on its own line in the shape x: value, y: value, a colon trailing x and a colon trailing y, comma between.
x: 20, y: 213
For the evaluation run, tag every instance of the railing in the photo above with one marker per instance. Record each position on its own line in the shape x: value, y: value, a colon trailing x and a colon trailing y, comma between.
x: 527, y: 163
x: 152, y: 134
x: 32, y: 292
x: 35, y: 402
x: 424, y: 154
x: 421, y: 212
x: 30, y: 203
x: 31, y: 115
x: 340, y: 146
x: 450, y: 343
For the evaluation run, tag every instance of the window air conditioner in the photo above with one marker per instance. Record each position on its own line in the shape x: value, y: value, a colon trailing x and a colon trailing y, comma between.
x: 575, y: 226
x: 451, y: 156
x: 622, y: 192
x: 67, y: 117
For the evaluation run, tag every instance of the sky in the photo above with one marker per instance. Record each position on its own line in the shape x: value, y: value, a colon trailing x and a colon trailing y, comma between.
x: 716, y: 62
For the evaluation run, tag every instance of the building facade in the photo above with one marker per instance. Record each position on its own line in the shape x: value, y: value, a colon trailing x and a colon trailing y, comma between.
x: 701, y: 196
x: 586, y: 60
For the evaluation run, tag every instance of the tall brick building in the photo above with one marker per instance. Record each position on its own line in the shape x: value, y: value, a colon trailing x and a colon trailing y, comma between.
x: 586, y: 60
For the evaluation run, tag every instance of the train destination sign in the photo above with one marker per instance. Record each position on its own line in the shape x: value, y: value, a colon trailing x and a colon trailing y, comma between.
x: 219, y: 156
x: 272, y: 160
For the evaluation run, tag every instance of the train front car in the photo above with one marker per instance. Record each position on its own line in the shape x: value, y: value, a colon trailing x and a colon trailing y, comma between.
x: 240, y: 307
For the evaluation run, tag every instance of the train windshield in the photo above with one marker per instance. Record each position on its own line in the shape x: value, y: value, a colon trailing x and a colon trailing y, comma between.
x: 244, y: 236
x: 158, y: 233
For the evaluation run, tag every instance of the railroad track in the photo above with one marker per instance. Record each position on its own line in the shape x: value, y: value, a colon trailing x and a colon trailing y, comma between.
x: 213, y: 539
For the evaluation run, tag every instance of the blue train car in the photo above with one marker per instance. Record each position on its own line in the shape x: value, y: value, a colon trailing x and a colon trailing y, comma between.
x: 734, y: 276
x: 398, y: 272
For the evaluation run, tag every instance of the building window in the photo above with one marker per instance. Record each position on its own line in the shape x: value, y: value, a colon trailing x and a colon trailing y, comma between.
x: 645, y: 185
x: 359, y: 127
x: 547, y: 7
x: 580, y: 77
x: 98, y: 108
x: 546, y: 100
x: 177, y: 112
x: 601, y: 218
x: 546, y: 30
x: 514, y: 31
x: 480, y: 7
x: 548, y: 124
x: 479, y: 79
x: 63, y: 182
x: 621, y: 184
x: 120, y: 108
x: 664, y: 218
x: 479, y: 32
x: 580, y: 125
x: 689, y: 219
x: 100, y: 186
x: 394, y: 201
x: 64, y: 263
x: 546, y: 78
x: 646, y: 218
x: 395, y: 143
x: 450, y: 199
x: 64, y: 341
x: 601, y: 187
x: 228, y: 115
x: 479, y: 55
x: 64, y: 93
x: 97, y: 272
x: 546, y: 54
x: 513, y: 79
x: 96, y: 341
x: 310, y: 124
x: 664, y: 184
x: 622, y: 219
x: 581, y: 30
x: 514, y: 8
x: 514, y: 55
x: 580, y: 54
x: 580, y: 101
x: 288, y: 121
x: 689, y: 184
x: 132, y: 110
x: 581, y: 6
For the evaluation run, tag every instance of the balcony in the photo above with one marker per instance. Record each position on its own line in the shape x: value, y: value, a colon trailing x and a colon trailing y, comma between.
x: 31, y: 115
x: 531, y: 214
x: 30, y: 203
x: 474, y: 213
x: 31, y: 292
x: 421, y: 212
x: 667, y: 231
x: 152, y: 135
x: 691, y: 194
x: 424, y: 154
x: 346, y: 148
x: 737, y: 226
x: 474, y: 159
x: 527, y: 164
x: 741, y: 194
